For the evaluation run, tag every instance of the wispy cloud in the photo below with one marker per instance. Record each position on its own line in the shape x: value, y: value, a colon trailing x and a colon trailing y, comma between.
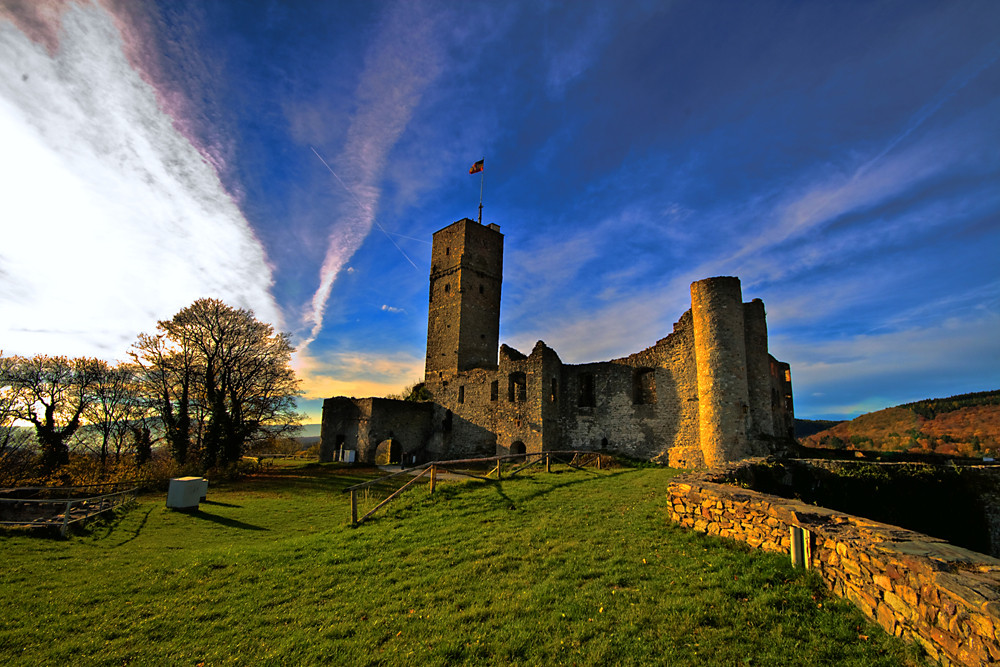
x: 403, y: 60
x: 576, y: 45
x: 112, y: 219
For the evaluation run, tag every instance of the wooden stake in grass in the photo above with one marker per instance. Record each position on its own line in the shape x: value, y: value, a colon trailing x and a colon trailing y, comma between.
x: 393, y: 495
x: 433, y: 477
x: 354, y: 508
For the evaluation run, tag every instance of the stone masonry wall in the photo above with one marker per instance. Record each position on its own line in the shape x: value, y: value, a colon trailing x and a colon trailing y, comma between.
x: 916, y: 587
x: 761, y: 426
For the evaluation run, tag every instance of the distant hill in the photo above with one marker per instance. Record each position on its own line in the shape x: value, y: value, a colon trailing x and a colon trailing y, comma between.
x: 807, y: 427
x: 963, y: 425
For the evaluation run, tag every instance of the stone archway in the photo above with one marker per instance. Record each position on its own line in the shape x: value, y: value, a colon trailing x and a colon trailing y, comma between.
x: 388, y: 452
x: 517, y: 448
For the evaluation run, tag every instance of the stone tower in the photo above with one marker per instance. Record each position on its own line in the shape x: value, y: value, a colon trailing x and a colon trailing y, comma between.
x: 463, y: 320
x: 720, y: 353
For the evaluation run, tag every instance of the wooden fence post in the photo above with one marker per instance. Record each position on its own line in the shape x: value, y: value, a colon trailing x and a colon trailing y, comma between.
x: 598, y: 461
x: 548, y: 464
x: 65, y: 526
x: 354, y: 508
x: 433, y: 477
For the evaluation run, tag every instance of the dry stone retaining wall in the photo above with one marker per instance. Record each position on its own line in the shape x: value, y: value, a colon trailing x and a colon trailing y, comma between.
x: 917, y: 587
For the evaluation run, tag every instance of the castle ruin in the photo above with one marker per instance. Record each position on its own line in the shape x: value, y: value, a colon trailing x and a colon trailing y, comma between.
x: 706, y: 394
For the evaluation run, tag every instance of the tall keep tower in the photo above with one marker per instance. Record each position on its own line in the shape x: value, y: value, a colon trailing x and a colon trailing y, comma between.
x: 463, y: 320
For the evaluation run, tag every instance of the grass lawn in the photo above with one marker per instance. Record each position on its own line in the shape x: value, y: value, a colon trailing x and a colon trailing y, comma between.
x: 564, y: 568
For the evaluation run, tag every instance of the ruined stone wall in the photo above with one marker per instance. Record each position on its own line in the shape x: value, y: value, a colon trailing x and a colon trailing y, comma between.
x: 760, y: 423
x: 915, y: 586
x: 677, y: 427
x: 340, y: 427
x: 362, y: 424
x: 515, y: 403
x: 782, y: 410
x: 720, y: 354
x: 599, y: 413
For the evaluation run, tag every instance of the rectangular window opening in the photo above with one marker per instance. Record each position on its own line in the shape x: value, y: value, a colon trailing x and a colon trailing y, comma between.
x: 586, y: 390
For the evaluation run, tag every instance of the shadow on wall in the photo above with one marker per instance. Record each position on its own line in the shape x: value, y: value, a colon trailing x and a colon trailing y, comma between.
x: 957, y: 504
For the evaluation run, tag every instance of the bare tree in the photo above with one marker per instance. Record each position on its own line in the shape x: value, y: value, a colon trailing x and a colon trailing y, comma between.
x: 114, y: 408
x: 52, y: 393
x: 167, y: 377
x: 16, y: 454
x: 227, y: 364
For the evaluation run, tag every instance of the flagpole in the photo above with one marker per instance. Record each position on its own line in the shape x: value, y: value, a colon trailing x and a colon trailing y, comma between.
x: 482, y: 179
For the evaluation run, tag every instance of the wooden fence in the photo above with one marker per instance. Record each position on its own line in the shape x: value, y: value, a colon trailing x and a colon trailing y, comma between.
x: 24, y: 508
x: 496, y: 473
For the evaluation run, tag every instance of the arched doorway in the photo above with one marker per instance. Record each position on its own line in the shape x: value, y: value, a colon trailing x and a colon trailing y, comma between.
x: 388, y: 452
x: 518, y: 448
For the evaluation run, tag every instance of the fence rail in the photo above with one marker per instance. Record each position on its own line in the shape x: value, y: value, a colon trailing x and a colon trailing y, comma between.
x: 434, y: 467
x: 60, y: 512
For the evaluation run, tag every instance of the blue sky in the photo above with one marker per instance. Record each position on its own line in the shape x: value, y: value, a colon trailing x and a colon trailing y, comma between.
x: 841, y: 158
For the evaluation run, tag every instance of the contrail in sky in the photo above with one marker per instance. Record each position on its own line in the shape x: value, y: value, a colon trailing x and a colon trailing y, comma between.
x: 377, y: 223
x: 405, y: 57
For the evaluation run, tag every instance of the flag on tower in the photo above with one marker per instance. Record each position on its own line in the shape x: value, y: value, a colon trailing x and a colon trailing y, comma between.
x: 477, y: 167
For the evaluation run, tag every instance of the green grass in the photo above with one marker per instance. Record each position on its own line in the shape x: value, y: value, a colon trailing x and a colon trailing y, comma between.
x: 564, y: 568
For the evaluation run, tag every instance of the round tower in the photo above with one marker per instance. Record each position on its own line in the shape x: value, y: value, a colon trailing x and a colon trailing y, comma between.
x: 720, y: 355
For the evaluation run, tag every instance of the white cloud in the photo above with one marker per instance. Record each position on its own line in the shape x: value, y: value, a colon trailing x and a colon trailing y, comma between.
x: 110, y: 218
x: 403, y: 60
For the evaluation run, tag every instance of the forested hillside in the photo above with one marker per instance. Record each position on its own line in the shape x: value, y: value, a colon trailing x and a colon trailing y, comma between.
x: 963, y: 425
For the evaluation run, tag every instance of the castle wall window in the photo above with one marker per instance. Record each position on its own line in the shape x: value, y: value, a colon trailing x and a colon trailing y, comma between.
x: 644, y: 386
x: 494, y: 390
x: 461, y: 394
x: 447, y: 288
x: 554, y: 390
x: 517, y: 387
x: 587, y: 391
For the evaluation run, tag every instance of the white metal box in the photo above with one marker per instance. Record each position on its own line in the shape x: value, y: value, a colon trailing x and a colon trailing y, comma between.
x: 184, y: 493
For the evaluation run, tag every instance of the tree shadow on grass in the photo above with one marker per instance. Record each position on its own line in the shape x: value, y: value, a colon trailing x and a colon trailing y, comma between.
x: 551, y: 482
x: 224, y: 521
